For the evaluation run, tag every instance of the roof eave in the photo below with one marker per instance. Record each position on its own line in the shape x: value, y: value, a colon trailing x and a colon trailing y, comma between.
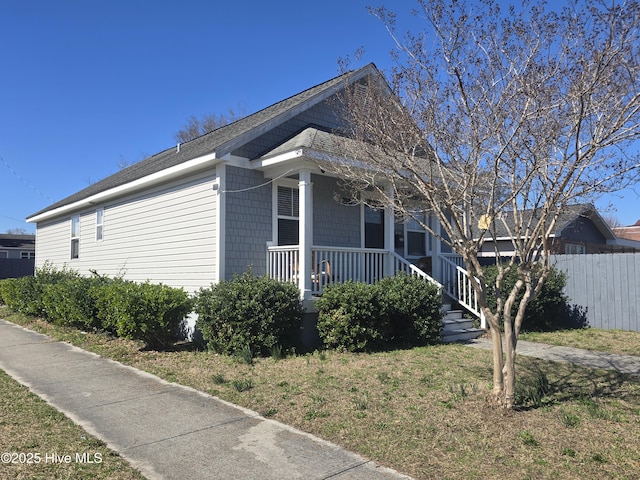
x: 190, y: 166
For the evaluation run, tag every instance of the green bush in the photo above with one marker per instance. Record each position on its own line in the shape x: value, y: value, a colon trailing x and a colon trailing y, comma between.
x: 149, y: 312
x: 249, y: 312
x: 395, y: 312
x: 22, y: 295
x: 549, y: 310
x: 349, y: 317
x: 72, y: 301
x: 413, y: 308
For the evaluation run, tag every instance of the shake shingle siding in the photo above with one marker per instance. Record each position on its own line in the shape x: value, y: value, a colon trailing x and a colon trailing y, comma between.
x: 322, y: 115
x: 166, y: 235
x: 248, y: 221
x: 334, y: 223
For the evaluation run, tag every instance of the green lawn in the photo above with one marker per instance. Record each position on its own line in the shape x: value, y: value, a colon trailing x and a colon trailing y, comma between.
x: 422, y: 411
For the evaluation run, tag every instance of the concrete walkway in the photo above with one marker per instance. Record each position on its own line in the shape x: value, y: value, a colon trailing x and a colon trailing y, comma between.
x: 587, y: 358
x: 166, y: 430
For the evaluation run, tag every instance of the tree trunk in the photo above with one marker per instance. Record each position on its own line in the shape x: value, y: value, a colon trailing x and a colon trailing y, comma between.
x: 509, y: 369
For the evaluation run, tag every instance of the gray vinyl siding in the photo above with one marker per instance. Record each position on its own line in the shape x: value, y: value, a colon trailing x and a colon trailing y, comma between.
x: 334, y: 223
x: 248, y: 221
x: 166, y: 235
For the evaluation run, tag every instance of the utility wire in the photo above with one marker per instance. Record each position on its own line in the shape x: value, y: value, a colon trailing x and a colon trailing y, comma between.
x: 19, y: 177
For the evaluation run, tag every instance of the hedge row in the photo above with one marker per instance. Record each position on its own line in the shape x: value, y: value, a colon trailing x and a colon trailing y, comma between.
x: 251, y: 313
x: 148, y: 312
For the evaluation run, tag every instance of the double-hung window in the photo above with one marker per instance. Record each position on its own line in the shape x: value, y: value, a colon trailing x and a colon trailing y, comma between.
x: 288, y: 216
x: 75, y: 237
x: 27, y: 255
x: 99, y: 223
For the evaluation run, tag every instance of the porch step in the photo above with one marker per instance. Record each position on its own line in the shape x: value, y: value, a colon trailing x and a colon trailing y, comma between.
x: 456, y: 328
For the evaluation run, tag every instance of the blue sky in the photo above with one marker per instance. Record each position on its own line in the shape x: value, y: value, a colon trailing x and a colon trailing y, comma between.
x: 86, y: 85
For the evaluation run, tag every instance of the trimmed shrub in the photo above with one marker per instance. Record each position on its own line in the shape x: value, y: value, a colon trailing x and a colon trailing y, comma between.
x: 395, y: 312
x: 251, y: 312
x: 22, y: 295
x: 149, y: 312
x: 350, y: 317
x: 413, y: 309
x: 548, y: 311
x: 72, y: 301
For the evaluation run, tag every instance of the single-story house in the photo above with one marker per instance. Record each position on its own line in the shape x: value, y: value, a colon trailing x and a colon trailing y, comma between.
x: 17, y: 255
x: 579, y: 229
x: 249, y: 194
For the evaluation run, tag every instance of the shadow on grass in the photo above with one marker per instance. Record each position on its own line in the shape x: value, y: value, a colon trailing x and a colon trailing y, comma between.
x: 542, y: 383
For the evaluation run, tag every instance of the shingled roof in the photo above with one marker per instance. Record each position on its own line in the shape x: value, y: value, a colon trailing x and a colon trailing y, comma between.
x: 569, y: 214
x: 220, y: 141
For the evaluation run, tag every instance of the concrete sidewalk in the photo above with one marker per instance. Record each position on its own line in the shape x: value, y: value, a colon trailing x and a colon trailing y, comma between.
x: 587, y: 358
x: 166, y: 430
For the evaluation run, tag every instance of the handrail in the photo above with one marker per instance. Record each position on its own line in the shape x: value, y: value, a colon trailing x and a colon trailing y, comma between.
x: 457, y: 284
x: 403, y: 265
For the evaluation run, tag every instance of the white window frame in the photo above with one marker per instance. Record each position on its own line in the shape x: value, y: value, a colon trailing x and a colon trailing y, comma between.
x: 75, y: 237
x: 27, y: 255
x: 4, y: 254
x: 283, y: 183
x: 99, y: 224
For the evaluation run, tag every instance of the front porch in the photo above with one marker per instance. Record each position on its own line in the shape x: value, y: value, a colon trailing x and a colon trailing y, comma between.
x: 327, y: 265
x: 321, y: 237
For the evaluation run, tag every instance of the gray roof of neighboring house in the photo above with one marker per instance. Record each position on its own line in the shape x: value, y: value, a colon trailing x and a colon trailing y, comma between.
x: 568, y: 215
x: 10, y: 240
x: 222, y: 140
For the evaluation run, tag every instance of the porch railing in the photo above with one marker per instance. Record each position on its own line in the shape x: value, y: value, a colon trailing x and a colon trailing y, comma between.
x: 338, y: 265
x: 457, y: 284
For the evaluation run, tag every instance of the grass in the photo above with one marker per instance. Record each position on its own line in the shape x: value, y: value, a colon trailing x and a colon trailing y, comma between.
x: 610, y: 341
x: 28, y: 425
x: 422, y: 411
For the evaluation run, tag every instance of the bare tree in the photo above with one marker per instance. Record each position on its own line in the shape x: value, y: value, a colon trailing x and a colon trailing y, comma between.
x: 494, y: 118
x: 207, y: 123
x: 17, y: 231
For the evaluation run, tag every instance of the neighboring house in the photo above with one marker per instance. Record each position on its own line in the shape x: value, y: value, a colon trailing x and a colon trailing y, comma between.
x: 632, y: 232
x: 17, y: 255
x: 249, y: 194
x: 579, y: 229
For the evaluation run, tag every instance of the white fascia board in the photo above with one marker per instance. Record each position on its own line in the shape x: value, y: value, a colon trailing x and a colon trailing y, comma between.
x: 624, y: 242
x: 136, y: 185
x: 278, y: 159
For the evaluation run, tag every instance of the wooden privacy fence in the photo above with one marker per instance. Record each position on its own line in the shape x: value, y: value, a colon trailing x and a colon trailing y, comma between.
x: 16, y: 267
x: 606, y: 285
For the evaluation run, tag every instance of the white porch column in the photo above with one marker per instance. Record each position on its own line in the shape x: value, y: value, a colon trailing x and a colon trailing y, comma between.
x: 436, y: 249
x: 389, y: 234
x: 305, y: 234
